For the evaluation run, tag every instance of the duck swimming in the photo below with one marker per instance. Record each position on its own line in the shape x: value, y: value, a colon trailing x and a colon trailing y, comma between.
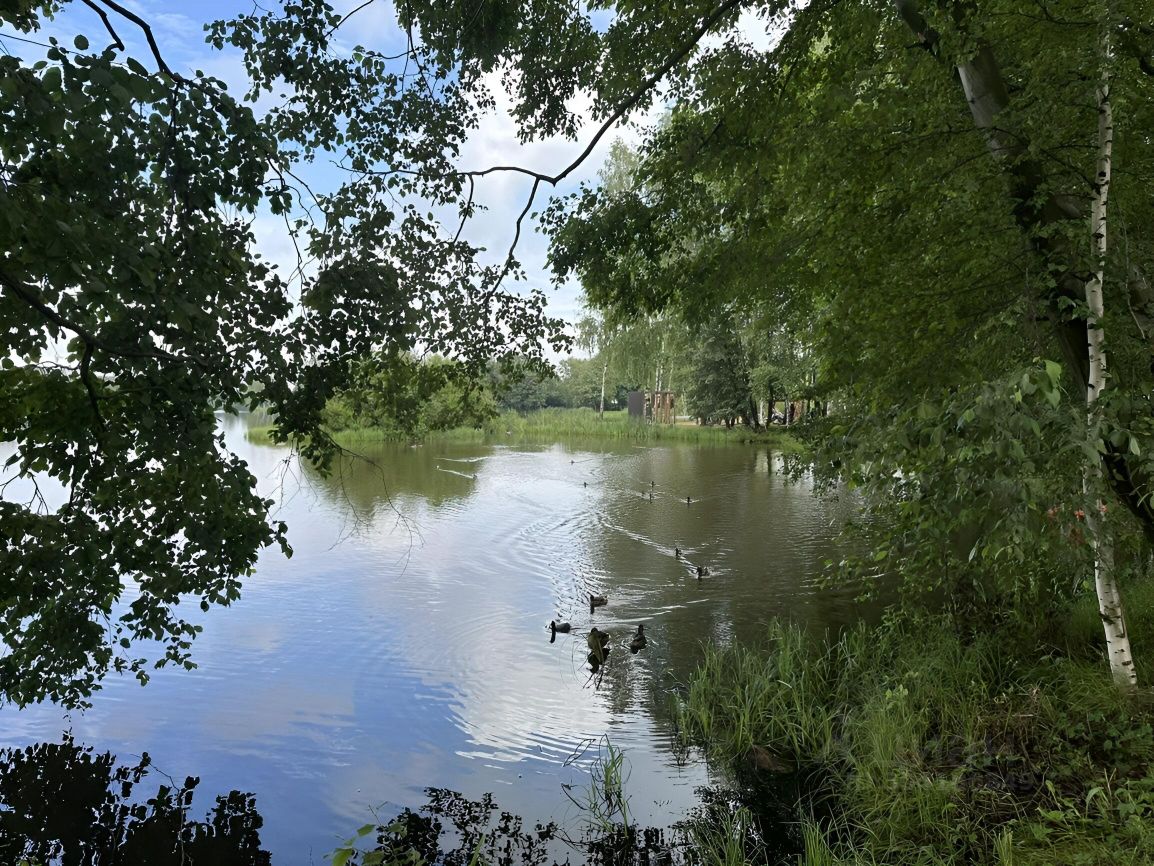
x: 597, y: 601
x: 598, y: 642
x: 702, y: 571
x: 677, y: 552
x: 562, y: 627
x: 597, y: 639
x: 638, y: 642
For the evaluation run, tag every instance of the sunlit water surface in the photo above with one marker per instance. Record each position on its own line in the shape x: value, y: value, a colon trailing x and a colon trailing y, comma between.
x: 405, y: 643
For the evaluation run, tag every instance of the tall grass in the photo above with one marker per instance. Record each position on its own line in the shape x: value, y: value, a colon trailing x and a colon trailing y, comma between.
x: 929, y: 747
x: 585, y: 423
x: 721, y: 841
x: 554, y: 424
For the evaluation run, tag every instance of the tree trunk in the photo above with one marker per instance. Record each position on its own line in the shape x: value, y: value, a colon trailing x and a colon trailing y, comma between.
x: 1037, y: 212
x: 604, y: 372
x: 754, y: 417
x: 1105, y: 579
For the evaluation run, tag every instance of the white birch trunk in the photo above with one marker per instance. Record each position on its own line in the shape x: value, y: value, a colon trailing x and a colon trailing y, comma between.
x: 604, y: 371
x: 1105, y: 579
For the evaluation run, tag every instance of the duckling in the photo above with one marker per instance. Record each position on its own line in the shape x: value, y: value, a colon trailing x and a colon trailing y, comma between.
x: 638, y: 642
x: 597, y: 601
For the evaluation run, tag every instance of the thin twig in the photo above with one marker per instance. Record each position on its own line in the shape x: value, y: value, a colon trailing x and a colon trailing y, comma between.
x: 147, y: 30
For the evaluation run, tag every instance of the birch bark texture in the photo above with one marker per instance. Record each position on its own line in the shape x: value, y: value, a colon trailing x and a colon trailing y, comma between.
x: 1105, y: 578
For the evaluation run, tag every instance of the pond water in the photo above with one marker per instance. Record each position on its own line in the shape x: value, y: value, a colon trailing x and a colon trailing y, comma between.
x: 406, y: 642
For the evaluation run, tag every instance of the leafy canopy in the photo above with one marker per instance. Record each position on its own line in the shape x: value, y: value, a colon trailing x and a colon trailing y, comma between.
x: 838, y: 184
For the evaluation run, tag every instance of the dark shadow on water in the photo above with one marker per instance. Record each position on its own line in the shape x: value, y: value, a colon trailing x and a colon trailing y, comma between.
x: 64, y: 804
x: 452, y: 830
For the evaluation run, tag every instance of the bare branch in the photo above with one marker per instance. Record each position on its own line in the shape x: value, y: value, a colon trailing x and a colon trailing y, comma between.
x: 631, y: 102
x: 147, y: 30
x: 351, y: 13
x: 116, y: 40
x: 645, y: 88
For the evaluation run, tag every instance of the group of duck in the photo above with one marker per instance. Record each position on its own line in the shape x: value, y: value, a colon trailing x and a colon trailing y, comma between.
x: 597, y: 640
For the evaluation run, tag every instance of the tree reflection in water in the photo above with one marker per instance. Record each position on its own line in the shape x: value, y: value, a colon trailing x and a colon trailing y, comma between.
x: 451, y: 830
x: 64, y: 804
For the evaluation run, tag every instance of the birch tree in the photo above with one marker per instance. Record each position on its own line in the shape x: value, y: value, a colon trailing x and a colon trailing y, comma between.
x: 1105, y: 579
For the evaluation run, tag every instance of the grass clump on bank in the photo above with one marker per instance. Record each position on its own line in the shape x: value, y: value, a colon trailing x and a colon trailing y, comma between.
x: 556, y: 424
x: 920, y: 746
x: 585, y: 423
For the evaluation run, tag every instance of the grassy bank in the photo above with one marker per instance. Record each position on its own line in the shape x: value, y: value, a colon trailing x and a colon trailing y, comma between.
x: 921, y: 747
x: 554, y: 424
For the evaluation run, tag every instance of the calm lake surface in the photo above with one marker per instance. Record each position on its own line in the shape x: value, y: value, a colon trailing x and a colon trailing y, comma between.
x: 406, y: 643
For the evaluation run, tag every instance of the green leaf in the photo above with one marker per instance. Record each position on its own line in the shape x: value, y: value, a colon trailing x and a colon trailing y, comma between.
x: 51, y: 78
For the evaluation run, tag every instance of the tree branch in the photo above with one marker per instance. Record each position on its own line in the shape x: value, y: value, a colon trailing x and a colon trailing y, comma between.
x: 622, y: 109
x: 116, y: 40
x: 147, y: 30
x: 28, y: 295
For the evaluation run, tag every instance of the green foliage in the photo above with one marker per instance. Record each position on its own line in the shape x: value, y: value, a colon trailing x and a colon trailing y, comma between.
x: 901, y: 272
x: 971, y: 498
x: 404, y: 397
x: 135, y: 304
x: 719, y: 379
